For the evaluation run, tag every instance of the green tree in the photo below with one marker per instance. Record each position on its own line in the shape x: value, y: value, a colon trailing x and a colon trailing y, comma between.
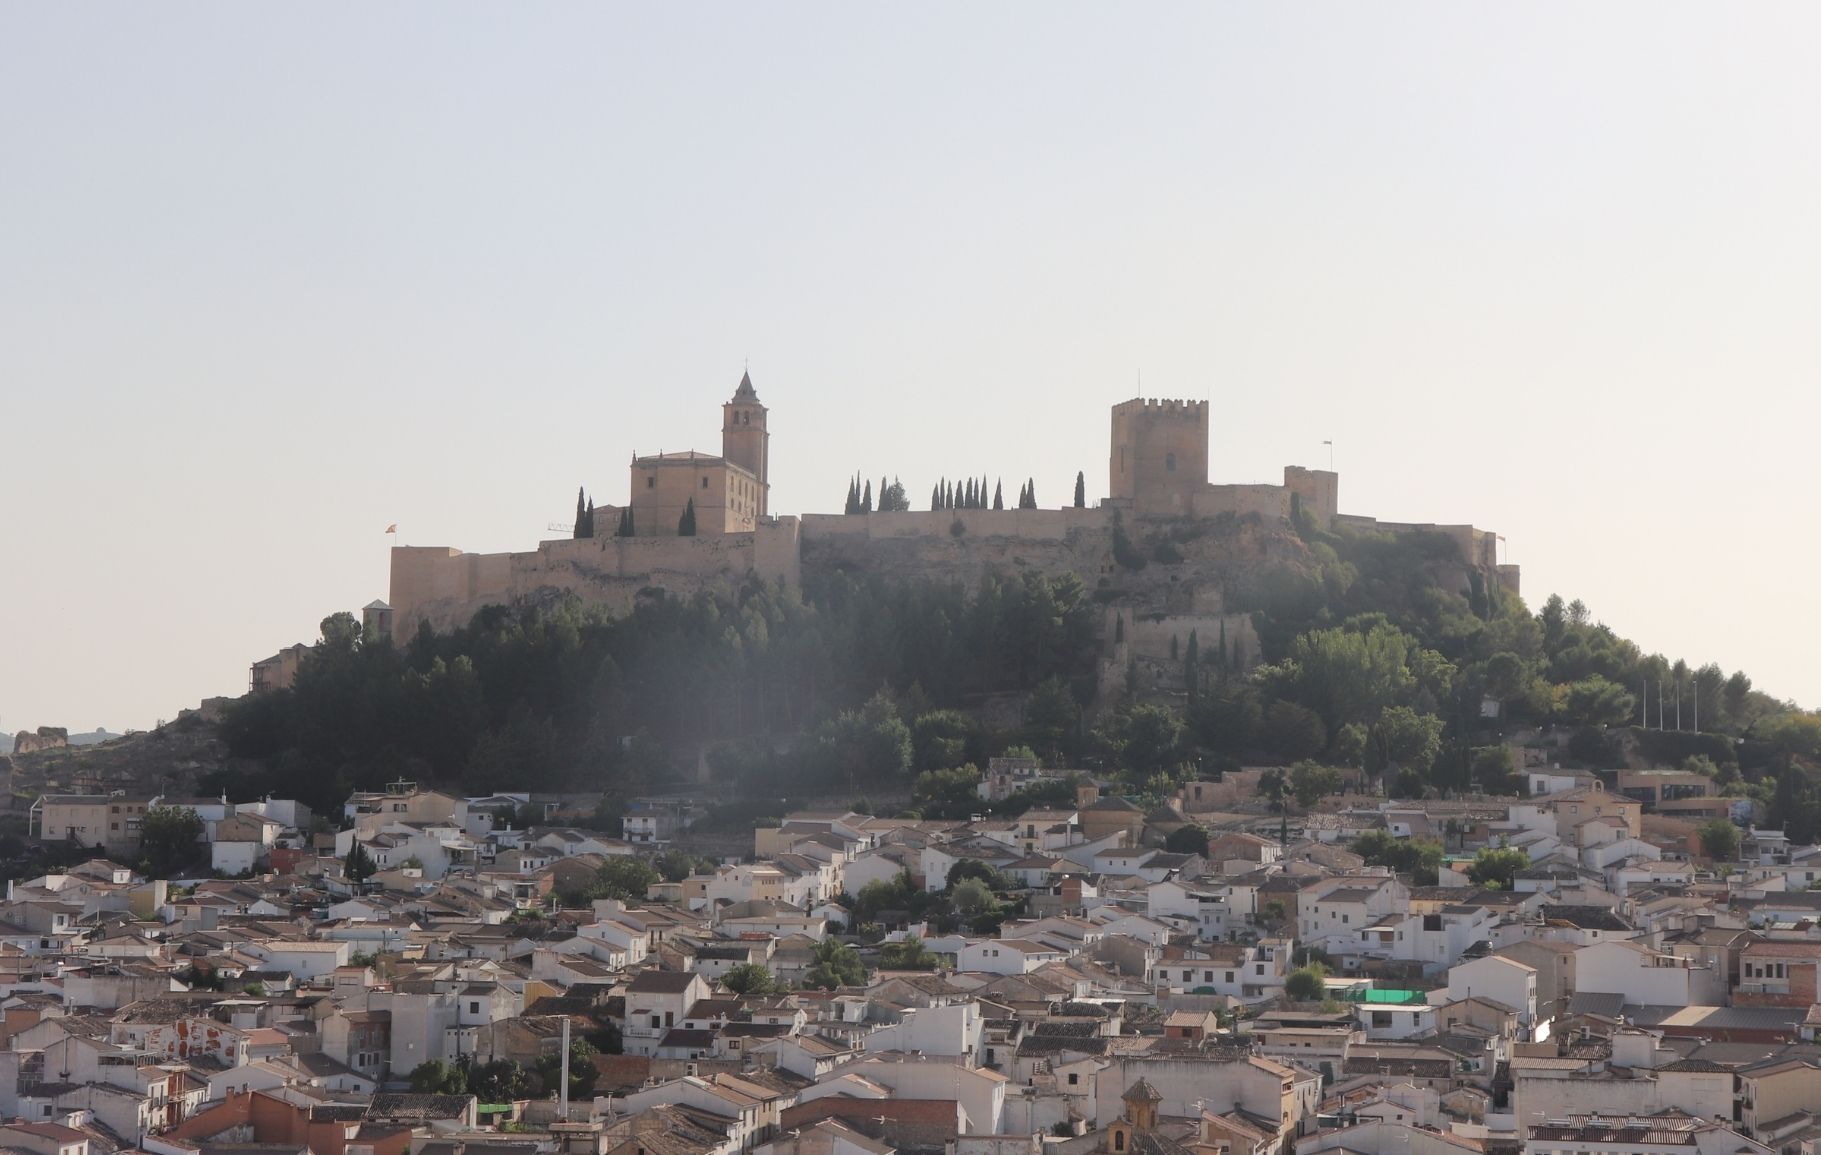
x: 1081, y: 490
x: 358, y: 866
x: 1293, y: 731
x: 168, y: 838
x: 623, y: 877
x: 999, y: 495
x: 866, y: 499
x: 1420, y: 858
x: 500, y: 1081
x: 1310, y: 781
x: 1190, y: 839
x: 1305, y: 984
x: 1403, y: 739
x: 582, y: 1072
x: 749, y: 979
x: 676, y: 865
x: 436, y: 1077
x: 1496, y: 771
x: 1052, y: 720
x: 1495, y: 869
x: 626, y: 528
x: 1719, y: 840
x: 836, y: 965
x: 582, y: 528
x: 686, y: 525
x: 972, y: 897
x: 1149, y: 739
x: 939, y: 739
x: 908, y: 954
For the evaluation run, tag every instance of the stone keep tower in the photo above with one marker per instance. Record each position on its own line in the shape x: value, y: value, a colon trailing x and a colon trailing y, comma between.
x: 1160, y: 455
x: 744, y: 439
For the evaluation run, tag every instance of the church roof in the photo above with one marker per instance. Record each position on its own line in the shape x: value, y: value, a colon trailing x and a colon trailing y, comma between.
x: 745, y: 392
x: 1142, y: 1092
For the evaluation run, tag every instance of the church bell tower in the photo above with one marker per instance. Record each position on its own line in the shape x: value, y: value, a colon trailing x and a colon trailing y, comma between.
x: 744, y: 439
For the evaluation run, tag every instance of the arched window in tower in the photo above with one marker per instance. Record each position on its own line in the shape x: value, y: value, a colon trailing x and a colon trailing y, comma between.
x: 1169, y: 463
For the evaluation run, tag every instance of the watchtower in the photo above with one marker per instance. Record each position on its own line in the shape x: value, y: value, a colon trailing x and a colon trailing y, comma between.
x: 745, y: 442
x: 1160, y: 455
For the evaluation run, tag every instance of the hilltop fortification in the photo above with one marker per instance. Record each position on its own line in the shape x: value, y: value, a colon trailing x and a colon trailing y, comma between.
x: 1211, y: 540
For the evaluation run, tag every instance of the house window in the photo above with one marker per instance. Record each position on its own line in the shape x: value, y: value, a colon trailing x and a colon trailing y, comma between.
x: 1074, y: 1079
x: 1230, y: 975
x: 704, y: 483
x: 474, y: 1008
x: 656, y: 1021
x: 651, y: 482
x: 1119, y: 1140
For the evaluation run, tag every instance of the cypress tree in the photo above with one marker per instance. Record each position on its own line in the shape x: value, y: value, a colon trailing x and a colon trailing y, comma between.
x: 967, y: 495
x: 1222, y: 664
x: 1081, y: 490
x: 1191, y: 665
x: 588, y: 525
x: 999, y: 495
x: 686, y: 525
x: 578, y: 511
x: 935, y: 496
x: 1030, y: 489
x: 866, y: 502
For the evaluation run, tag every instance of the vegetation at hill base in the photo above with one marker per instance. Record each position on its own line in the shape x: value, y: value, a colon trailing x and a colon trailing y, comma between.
x: 1372, y: 670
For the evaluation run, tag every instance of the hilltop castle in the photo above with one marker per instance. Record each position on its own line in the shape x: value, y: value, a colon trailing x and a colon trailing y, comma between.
x: 1157, y: 473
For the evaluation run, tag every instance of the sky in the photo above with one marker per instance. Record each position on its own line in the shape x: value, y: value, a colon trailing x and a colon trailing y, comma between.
x: 275, y: 277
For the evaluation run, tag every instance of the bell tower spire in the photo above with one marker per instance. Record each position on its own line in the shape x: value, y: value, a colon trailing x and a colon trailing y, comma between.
x: 746, y: 442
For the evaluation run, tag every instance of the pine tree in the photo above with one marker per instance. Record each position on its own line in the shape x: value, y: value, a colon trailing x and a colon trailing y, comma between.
x: 686, y: 525
x: 580, y: 524
x: 1081, y: 490
x: 999, y: 495
x: 866, y: 502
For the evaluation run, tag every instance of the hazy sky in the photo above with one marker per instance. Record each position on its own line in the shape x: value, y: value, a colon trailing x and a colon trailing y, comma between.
x: 272, y: 278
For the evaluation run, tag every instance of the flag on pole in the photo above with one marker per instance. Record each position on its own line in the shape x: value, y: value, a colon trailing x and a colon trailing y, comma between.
x: 393, y: 528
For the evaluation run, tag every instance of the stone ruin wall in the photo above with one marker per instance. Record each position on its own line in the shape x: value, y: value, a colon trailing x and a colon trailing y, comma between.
x: 43, y: 738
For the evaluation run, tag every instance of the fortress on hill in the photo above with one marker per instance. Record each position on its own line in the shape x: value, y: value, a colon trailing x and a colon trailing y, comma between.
x: 1157, y: 481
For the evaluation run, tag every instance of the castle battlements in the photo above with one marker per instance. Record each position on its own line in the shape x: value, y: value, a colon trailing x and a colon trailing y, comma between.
x: 1163, y: 407
x: 1157, y: 468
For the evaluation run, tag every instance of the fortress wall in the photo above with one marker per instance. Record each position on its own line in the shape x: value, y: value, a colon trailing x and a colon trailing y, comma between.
x: 1267, y: 501
x: 1025, y: 524
x: 1148, y: 635
x: 446, y: 587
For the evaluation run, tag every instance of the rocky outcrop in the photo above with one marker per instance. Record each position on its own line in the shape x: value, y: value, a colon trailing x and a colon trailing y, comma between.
x: 44, y: 738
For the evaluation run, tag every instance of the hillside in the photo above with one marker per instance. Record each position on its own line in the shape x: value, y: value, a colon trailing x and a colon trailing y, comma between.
x: 1170, y: 649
